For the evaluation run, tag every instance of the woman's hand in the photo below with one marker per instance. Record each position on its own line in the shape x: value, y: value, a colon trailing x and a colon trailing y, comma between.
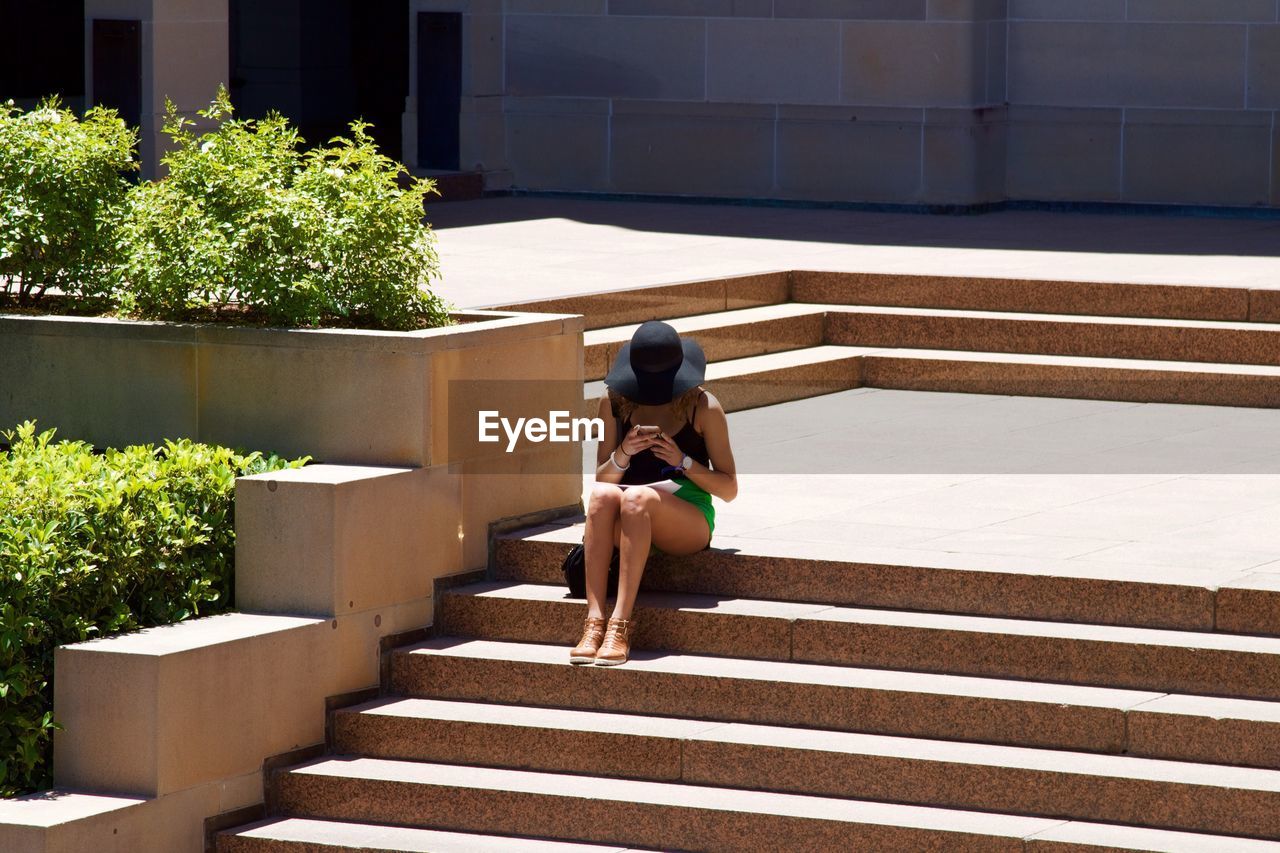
x: 637, y: 439
x: 667, y: 450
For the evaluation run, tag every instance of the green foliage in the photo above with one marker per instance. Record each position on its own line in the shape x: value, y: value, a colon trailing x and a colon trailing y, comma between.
x: 61, y: 191
x: 95, y: 544
x: 304, y: 237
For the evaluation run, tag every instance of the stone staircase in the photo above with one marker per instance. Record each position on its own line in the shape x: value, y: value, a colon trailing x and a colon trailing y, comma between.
x: 783, y: 699
x: 783, y: 702
x: 783, y: 336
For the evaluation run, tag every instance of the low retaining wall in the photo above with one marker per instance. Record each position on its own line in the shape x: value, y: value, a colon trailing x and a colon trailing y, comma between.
x: 345, y: 396
x: 170, y: 726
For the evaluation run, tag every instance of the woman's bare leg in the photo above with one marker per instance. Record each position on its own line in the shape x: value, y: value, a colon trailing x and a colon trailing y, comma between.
x: 602, y: 520
x: 650, y: 517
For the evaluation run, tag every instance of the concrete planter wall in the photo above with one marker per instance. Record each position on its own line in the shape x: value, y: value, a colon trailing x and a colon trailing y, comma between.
x: 350, y: 397
x: 341, y: 395
x: 170, y: 726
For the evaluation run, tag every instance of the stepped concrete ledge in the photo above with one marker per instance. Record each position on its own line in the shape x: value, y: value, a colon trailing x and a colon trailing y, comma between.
x: 666, y: 815
x: 946, y: 707
x: 173, y: 726
x: 65, y: 821
x: 334, y: 540
x: 1139, y: 791
x: 50, y: 808
x: 1076, y: 653
x: 912, y: 579
x: 287, y: 834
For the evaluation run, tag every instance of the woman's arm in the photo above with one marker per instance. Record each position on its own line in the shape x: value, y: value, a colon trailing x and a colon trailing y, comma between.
x: 721, y: 479
x: 613, y: 454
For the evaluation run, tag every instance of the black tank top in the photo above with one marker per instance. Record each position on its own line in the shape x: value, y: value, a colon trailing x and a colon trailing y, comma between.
x: 645, y: 466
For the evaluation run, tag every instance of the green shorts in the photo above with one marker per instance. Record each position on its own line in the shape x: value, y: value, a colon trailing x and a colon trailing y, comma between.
x: 699, y: 497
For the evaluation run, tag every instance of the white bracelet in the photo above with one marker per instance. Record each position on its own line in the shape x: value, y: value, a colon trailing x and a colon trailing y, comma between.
x: 615, y: 464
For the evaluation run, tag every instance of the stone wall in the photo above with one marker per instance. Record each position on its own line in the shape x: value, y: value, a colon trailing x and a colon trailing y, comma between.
x: 811, y: 99
x: 184, y: 58
x: 1143, y: 101
x: 899, y: 101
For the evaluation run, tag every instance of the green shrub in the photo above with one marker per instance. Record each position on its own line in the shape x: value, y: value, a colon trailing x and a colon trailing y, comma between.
x: 95, y: 544
x: 301, y: 237
x: 61, y: 189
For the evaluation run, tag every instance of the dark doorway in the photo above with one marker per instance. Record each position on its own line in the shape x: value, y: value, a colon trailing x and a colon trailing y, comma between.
x: 439, y: 88
x: 323, y: 63
x: 117, y: 68
x: 42, y: 50
x: 380, y: 68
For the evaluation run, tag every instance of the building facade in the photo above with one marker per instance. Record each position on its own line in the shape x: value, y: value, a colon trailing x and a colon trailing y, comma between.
x: 911, y: 102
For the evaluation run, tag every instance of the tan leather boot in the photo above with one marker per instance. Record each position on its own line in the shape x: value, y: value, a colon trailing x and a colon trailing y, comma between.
x: 617, y: 642
x: 592, y: 633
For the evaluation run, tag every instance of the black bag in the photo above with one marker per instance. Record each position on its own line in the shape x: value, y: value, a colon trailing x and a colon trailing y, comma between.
x: 575, y: 572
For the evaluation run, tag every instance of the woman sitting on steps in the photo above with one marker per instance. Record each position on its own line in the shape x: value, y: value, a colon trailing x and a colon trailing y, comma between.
x: 665, y: 452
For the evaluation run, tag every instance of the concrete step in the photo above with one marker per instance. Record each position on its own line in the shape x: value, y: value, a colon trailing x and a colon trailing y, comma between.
x: 1069, y: 653
x: 763, y: 380
x: 1098, y: 298
x: 761, y: 330
x: 1010, y: 780
x: 1055, y: 334
x: 1150, y: 724
x: 723, y: 335
x: 664, y: 301
x: 1115, y: 299
x: 680, y: 816
x: 283, y: 835
x: 626, y: 812
x: 906, y: 579
x: 1080, y: 377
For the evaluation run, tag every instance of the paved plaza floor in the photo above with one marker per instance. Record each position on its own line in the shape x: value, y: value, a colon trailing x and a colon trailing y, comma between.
x: 1184, y: 491
x: 503, y: 250
x: 1187, y: 492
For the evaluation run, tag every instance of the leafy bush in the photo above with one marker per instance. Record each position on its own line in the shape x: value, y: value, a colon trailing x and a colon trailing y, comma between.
x: 303, y: 237
x: 98, y: 544
x: 61, y: 189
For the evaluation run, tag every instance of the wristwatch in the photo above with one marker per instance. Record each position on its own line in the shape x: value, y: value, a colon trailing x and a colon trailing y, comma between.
x: 686, y: 463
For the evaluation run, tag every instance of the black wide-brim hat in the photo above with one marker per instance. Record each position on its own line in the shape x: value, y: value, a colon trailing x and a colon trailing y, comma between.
x: 657, y: 365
